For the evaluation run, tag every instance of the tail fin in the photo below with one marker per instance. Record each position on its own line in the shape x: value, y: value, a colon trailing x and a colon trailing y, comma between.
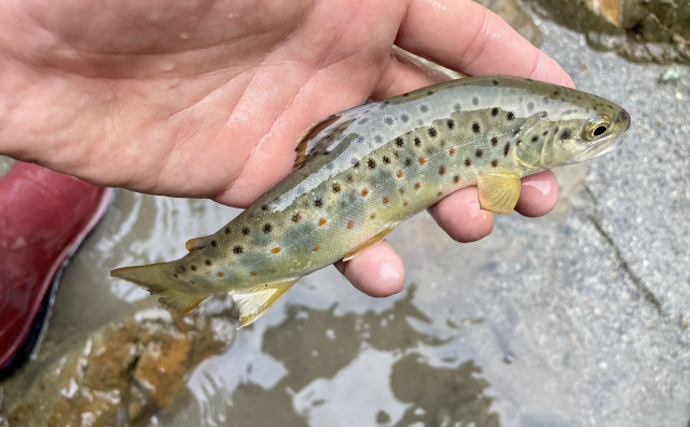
x: 157, y: 279
x: 253, y: 305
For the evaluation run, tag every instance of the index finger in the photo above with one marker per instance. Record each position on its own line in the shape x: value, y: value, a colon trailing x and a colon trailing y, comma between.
x: 464, y: 36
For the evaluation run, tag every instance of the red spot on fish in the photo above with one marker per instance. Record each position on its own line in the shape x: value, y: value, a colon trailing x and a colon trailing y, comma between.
x: 322, y: 221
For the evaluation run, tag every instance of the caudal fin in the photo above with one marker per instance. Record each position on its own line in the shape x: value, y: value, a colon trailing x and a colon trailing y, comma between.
x: 253, y: 305
x: 156, y: 279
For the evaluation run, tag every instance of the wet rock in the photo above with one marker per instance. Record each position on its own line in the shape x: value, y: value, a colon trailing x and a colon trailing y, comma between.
x: 639, y: 30
x: 442, y: 396
x: 120, y: 373
x: 516, y: 17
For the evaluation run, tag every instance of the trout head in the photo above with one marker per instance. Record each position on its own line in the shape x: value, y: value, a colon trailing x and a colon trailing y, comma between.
x: 576, y: 129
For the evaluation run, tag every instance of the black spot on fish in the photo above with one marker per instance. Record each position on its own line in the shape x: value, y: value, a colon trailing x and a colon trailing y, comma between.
x: 408, y: 162
x: 207, y: 262
x: 378, y: 138
x: 456, y: 179
x: 431, y: 92
x: 399, y: 141
x: 442, y: 170
x: 417, y: 141
x: 192, y: 267
x: 424, y: 108
x: 450, y: 123
x: 350, y: 178
x: 494, y: 111
x: 318, y: 203
x: 296, y: 217
x: 475, y: 101
x: 227, y: 230
x: 432, y: 132
x: 336, y: 187
x: 476, y: 128
x: 356, y: 164
x: 546, y: 132
x: 494, y: 141
x: 506, y: 149
x: 457, y: 107
x: 535, y: 138
x: 237, y: 249
x: 183, y: 270
x: 494, y: 163
x: 245, y: 231
x: 530, y: 106
x: 468, y: 162
x: 478, y: 153
x: 495, y: 82
x: 264, y: 207
x: 389, y: 120
x: 404, y: 118
x: 372, y: 163
x: 406, y: 94
x: 566, y: 134
x: 386, y: 160
x: 214, y: 243
x: 510, y: 115
x: 267, y: 228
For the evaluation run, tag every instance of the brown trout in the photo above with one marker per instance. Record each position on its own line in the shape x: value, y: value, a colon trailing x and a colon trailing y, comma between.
x: 361, y: 172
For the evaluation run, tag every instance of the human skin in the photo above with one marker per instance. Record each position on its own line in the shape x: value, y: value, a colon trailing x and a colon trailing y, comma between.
x: 204, y: 98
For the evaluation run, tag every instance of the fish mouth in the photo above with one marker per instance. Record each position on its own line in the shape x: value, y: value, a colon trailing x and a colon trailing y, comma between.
x: 602, y: 149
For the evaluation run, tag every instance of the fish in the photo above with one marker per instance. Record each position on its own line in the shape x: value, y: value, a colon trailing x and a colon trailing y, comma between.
x: 361, y: 172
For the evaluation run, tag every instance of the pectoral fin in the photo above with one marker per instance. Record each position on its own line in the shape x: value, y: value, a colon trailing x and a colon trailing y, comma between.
x: 369, y: 243
x: 498, y: 193
x: 253, y: 305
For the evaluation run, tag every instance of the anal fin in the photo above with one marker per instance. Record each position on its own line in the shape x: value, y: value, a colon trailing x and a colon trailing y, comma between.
x: 369, y: 243
x: 498, y: 192
x: 253, y: 305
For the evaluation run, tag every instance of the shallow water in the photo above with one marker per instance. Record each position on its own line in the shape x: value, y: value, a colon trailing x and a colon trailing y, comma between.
x: 543, y: 324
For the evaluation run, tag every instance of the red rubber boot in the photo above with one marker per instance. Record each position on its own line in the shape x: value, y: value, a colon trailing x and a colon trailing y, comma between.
x: 44, y: 216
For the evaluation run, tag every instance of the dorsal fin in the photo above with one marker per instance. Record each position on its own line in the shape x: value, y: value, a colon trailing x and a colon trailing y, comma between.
x: 195, y: 244
x: 308, y: 135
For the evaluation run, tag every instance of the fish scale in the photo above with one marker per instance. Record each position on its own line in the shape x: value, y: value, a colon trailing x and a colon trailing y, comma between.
x: 361, y: 172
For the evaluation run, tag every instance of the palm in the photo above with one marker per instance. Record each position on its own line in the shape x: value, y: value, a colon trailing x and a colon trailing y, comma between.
x: 202, y: 99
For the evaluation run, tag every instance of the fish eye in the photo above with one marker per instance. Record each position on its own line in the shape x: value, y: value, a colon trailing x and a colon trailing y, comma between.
x: 597, y: 129
x: 600, y: 130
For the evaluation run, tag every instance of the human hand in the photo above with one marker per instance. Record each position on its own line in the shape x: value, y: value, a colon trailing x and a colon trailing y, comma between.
x: 205, y: 98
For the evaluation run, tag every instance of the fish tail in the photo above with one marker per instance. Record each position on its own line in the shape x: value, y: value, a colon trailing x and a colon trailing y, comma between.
x: 157, y: 279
